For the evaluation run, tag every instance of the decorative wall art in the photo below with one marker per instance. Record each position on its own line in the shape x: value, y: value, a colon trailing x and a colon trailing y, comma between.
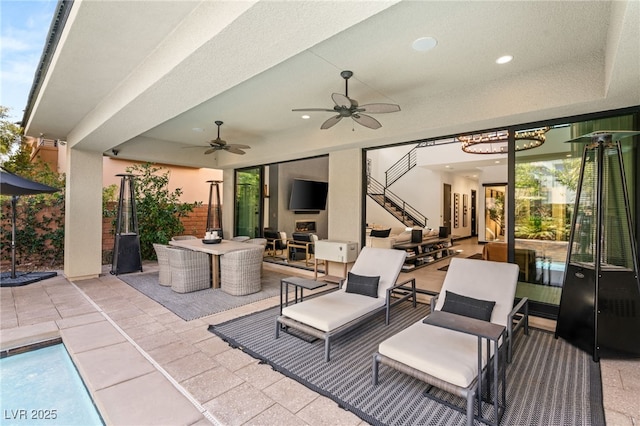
x: 456, y: 210
x: 465, y: 204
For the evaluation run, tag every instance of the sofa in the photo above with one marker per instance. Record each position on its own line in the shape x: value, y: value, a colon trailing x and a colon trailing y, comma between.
x: 396, y: 235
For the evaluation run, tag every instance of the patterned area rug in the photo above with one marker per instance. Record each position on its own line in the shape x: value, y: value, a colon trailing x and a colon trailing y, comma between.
x: 198, y: 304
x: 549, y: 381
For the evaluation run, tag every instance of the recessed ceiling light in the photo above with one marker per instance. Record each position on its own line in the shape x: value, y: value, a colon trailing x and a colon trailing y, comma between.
x: 447, y: 166
x: 504, y: 59
x: 198, y: 129
x: 424, y: 44
x: 497, y: 161
x: 306, y: 117
x: 568, y: 155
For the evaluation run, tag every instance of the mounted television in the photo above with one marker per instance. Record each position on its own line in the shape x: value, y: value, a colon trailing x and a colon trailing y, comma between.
x: 308, y: 195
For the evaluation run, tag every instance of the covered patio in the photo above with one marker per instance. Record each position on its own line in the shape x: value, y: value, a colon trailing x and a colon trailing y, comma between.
x: 145, y: 81
x: 145, y: 365
x: 149, y: 79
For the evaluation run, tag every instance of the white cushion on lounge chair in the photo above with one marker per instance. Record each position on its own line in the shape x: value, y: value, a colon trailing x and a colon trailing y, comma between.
x: 449, y: 355
x: 382, y: 263
x: 469, y: 277
x: 446, y: 358
x: 456, y: 362
x: 332, y: 310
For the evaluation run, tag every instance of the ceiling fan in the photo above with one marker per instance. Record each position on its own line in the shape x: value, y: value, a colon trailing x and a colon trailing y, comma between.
x: 218, y: 144
x: 347, y: 107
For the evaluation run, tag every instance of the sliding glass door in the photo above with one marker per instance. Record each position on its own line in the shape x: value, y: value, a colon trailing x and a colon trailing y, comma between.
x: 248, y: 202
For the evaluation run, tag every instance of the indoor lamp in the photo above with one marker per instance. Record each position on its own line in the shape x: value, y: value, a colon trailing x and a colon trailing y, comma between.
x: 496, y: 142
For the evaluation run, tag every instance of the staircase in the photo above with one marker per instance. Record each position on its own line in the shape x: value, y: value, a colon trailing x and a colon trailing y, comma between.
x: 401, y: 167
x: 381, y: 194
x: 393, y: 204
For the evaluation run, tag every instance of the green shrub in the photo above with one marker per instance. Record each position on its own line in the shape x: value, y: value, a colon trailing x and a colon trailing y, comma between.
x: 158, y: 209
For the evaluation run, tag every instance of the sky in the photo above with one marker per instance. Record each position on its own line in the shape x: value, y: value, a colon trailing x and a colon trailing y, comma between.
x: 24, y: 26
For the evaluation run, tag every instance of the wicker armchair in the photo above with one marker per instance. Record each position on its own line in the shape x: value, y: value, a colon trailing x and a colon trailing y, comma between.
x: 262, y: 242
x: 240, y: 271
x: 190, y: 270
x: 162, y: 253
x: 258, y: 241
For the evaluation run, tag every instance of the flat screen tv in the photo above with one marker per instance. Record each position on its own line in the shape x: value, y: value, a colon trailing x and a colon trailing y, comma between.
x: 308, y: 195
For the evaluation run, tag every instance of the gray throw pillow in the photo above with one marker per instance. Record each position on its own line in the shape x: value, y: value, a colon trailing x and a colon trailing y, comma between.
x: 380, y: 233
x: 467, y: 306
x: 360, y: 284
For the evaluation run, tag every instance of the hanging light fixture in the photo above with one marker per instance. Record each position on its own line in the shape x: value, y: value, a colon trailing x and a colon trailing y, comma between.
x: 497, y: 142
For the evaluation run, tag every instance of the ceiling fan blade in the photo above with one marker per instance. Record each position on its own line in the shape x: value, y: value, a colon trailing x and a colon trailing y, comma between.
x: 210, y: 150
x: 194, y: 146
x: 313, y: 109
x: 379, y: 108
x: 238, y: 146
x: 331, y: 122
x: 234, y: 150
x: 366, y: 121
x: 342, y: 100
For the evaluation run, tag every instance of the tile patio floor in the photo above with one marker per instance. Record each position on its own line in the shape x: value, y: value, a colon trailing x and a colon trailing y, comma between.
x: 146, y: 366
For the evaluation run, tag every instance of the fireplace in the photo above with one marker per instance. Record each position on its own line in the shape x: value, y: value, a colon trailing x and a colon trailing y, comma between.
x: 306, y: 226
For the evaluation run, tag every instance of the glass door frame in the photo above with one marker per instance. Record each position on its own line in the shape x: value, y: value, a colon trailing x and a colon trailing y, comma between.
x: 260, y: 203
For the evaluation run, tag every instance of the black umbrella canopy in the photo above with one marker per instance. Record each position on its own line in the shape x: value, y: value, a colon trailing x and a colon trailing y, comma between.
x: 11, y: 184
x: 14, y: 185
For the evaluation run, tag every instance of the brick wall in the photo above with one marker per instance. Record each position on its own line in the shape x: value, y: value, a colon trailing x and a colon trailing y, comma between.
x: 194, y: 224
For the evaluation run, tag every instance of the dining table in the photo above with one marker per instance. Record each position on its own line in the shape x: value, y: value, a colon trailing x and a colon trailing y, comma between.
x: 215, y: 250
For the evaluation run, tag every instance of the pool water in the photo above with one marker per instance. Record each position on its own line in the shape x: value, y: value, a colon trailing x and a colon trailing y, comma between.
x: 44, y: 387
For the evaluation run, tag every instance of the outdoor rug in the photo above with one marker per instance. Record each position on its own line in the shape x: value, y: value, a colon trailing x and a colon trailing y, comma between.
x: 198, y: 304
x: 548, y: 382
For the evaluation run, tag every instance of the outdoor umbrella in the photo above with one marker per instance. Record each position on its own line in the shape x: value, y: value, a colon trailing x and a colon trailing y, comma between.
x: 15, y: 186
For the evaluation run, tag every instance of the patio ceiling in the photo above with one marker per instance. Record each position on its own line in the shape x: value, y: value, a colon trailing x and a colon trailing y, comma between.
x: 140, y: 76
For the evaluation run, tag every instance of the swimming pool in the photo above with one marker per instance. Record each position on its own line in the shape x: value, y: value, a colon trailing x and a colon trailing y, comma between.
x: 43, y: 387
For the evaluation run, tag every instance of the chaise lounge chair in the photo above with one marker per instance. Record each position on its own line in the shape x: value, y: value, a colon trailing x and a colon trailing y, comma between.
x: 368, y: 291
x: 449, y: 359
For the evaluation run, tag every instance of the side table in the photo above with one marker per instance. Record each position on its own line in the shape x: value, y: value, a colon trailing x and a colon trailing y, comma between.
x: 298, y: 283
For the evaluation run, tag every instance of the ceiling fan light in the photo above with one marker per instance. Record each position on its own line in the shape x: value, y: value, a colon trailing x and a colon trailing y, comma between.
x: 347, y: 107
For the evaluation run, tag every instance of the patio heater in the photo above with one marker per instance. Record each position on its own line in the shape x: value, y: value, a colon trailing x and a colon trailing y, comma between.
x: 214, y: 214
x: 600, y: 303
x: 126, y: 251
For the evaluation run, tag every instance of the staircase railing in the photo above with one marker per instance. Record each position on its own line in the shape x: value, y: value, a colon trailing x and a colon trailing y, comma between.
x: 401, y: 167
x: 409, y: 215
